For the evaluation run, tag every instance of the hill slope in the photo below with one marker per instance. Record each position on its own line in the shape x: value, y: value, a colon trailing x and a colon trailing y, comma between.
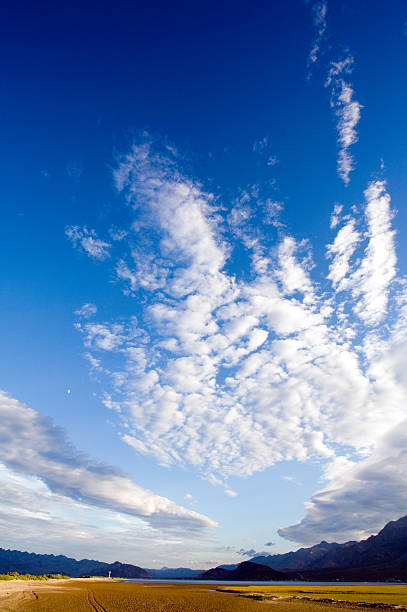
x: 244, y: 571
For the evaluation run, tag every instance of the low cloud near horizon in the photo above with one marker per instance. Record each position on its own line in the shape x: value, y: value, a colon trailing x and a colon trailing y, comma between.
x: 373, y: 489
x: 31, y: 444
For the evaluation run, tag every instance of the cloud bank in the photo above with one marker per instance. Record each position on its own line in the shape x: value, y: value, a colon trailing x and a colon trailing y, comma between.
x: 374, y: 489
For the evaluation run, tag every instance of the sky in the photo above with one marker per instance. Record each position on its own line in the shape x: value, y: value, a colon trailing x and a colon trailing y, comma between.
x: 204, y: 294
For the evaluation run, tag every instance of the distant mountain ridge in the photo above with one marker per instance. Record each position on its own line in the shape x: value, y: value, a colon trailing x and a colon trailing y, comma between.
x: 389, y: 545
x: 174, y: 572
x: 302, y: 558
x: 32, y: 563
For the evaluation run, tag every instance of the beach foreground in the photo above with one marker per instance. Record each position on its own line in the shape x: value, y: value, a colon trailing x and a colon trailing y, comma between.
x: 111, y: 596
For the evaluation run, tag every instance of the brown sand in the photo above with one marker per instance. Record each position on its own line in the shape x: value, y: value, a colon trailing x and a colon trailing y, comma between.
x: 115, y: 596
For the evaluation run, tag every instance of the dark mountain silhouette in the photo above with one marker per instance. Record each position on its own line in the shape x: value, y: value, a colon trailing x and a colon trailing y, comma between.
x: 24, y: 562
x: 244, y: 571
x: 215, y: 573
x: 388, y: 547
x: 302, y: 558
x: 123, y: 570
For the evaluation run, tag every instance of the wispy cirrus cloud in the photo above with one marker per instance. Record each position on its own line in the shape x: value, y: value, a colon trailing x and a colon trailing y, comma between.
x: 229, y: 371
x: 263, y: 148
x: 31, y: 444
x: 86, y: 311
x: 319, y: 12
x: 88, y: 241
x: 336, y: 215
x: 347, y: 111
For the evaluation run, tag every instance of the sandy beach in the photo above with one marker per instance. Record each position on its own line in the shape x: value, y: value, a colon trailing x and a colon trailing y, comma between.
x: 105, y: 595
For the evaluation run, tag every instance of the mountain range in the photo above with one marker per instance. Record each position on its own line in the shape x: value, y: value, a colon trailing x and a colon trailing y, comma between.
x: 31, y: 563
x: 381, y: 557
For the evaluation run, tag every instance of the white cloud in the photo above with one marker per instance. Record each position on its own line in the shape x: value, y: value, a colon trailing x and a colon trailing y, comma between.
x: 86, y: 311
x: 89, y: 242
x: 181, y: 211
x: 335, y: 217
x: 32, y: 445
x: 347, y: 111
x: 274, y: 209
x: 228, y: 374
x: 143, y: 272
x: 293, y: 275
x: 117, y: 234
x: 107, y: 337
x: 341, y: 251
x: 344, y: 66
x: 261, y: 144
x: 263, y: 148
x: 371, y: 281
x: 319, y: 12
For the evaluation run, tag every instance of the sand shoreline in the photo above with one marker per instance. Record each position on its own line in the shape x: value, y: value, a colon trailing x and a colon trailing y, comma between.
x: 18, y: 585
x: 14, y: 594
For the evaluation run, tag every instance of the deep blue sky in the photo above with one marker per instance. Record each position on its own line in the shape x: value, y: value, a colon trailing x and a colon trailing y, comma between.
x: 229, y: 86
